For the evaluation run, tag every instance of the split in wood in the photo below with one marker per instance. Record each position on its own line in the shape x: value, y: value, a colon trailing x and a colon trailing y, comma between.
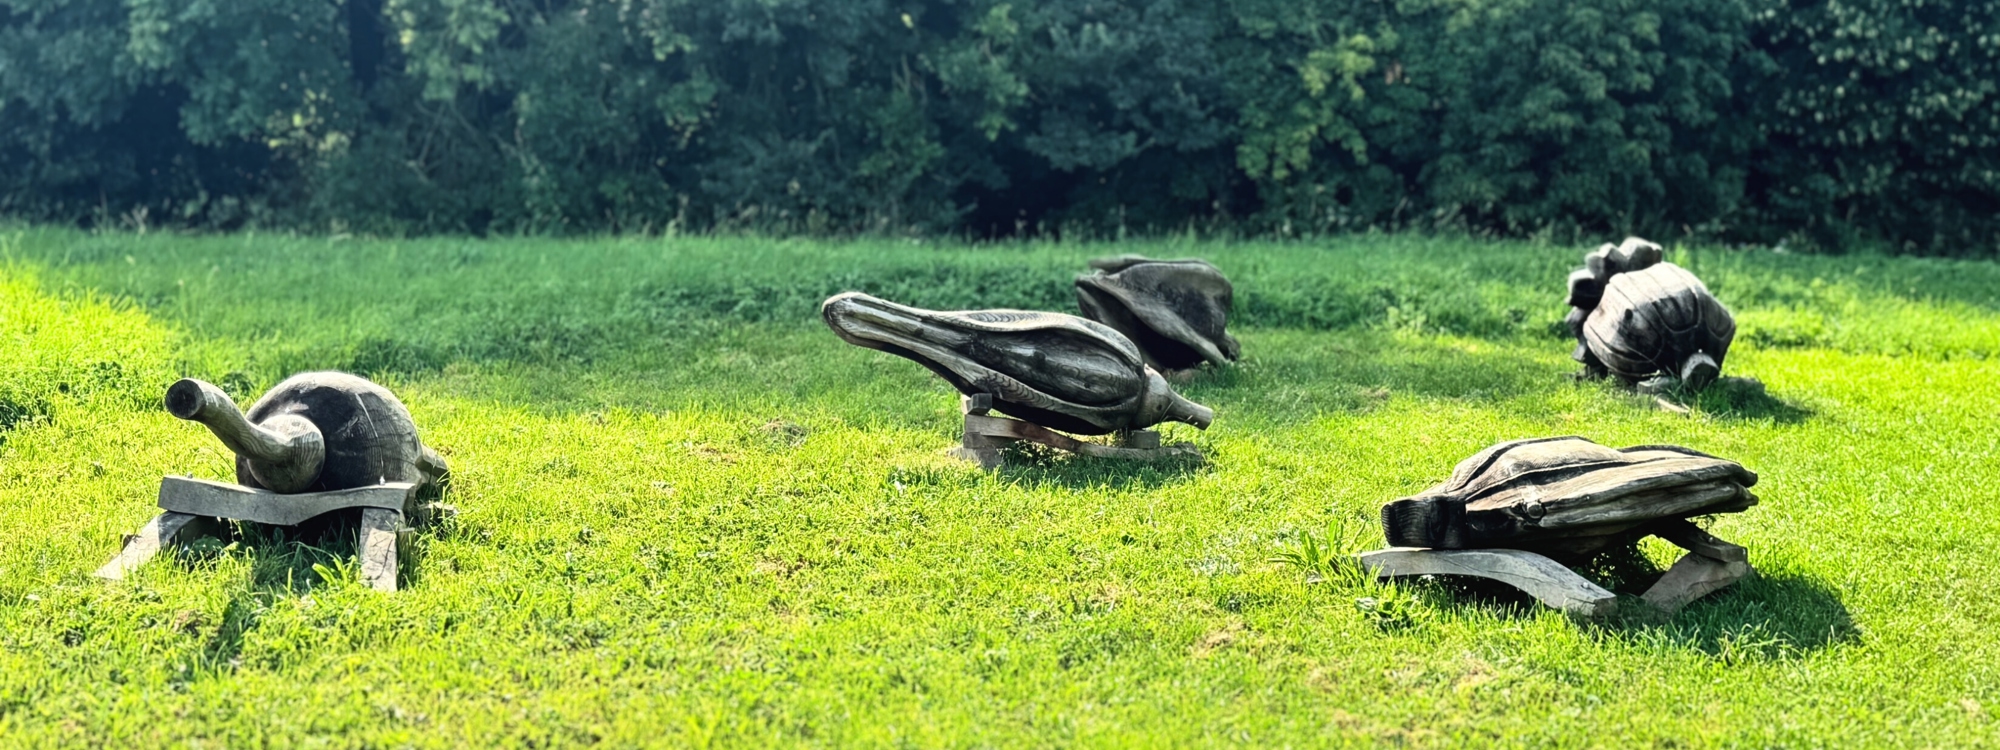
x: 985, y: 437
x: 1709, y: 565
x: 192, y: 505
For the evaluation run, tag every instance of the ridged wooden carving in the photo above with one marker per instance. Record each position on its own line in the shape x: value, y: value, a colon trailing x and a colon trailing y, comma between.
x: 1636, y: 317
x: 314, y: 432
x: 1566, y: 497
x: 1058, y: 371
x: 1176, y: 311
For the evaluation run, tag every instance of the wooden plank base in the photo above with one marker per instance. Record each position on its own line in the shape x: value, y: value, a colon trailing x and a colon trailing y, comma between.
x: 191, y: 504
x: 201, y: 497
x: 1535, y: 575
x: 160, y: 533
x: 380, y: 529
x: 1709, y: 565
x: 1693, y: 577
x: 985, y: 436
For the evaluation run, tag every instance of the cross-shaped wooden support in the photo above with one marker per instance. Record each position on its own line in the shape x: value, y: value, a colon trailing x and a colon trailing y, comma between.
x: 190, y: 503
x: 1709, y: 565
x: 985, y: 436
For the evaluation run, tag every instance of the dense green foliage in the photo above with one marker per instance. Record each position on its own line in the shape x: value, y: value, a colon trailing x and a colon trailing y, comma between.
x: 691, y: 516
x: 1829, y: 123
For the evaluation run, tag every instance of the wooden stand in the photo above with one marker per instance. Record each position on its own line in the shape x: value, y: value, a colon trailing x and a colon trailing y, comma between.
x: 1709, y: 565
x: 190, y: 505
x: 986, y: 435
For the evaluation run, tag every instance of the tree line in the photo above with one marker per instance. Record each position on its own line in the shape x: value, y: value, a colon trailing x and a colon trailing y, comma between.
x: 1828, y: 124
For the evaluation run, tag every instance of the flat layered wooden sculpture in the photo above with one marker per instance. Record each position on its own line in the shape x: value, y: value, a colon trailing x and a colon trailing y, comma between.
x: 317, y: 443
x: 1636, y: 317
x: 1053, y: 371
x: 1176, y: 311
x: 1513, y: 511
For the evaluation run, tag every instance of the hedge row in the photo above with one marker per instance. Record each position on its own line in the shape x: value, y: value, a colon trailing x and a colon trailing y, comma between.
x: 1827, y: 123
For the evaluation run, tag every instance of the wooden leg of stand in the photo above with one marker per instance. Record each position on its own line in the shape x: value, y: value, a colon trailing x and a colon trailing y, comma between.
x: 377, y: 550
x: 156, y: 535
x: 1710, y: 565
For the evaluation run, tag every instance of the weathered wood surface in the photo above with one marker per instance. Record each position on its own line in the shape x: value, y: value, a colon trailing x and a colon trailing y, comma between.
x: 1696, y: 575
x: 1684, y: 534
x: 1175, y: 311
x: 1565, y: 497
x: 1535, y: 575
x: 314, y: 432
x: 201, y: 497
x: 1058, y: 371
x: 158, y: 534
x: 985, y: 436
x: 983, y: 432
x: 381, y: 532
x: 1635, y: 316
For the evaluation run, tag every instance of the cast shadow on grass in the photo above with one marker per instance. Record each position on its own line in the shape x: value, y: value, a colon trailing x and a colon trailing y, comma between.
x: 1743, y: 399
x: 1731, y: 399
x: 1039, y: 466
x: 1357, y: 371
x: 1763, y: 616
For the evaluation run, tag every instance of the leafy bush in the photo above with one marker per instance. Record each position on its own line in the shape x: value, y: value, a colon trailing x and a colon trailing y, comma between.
x: 1821, y: 123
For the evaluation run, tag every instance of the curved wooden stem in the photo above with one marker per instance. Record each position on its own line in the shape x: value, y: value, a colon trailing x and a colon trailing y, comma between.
x: 285, y: 453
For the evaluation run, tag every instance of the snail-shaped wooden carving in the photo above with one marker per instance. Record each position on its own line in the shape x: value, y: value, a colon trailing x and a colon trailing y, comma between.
x: 1635, y: 317
x: 317, y: 444
x: 1057, y: 371
x: 1174, y: 310
x: 315, y: 432
x: 1512, y: 511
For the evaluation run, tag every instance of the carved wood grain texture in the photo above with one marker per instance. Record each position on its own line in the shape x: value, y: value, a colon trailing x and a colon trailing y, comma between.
x: 202, y: 497
x: 1651, y: 321
x: 1565, y: 496
x: 1535, y: 575
x: 1059, y: 371
x: 1175, y: 311
x: 377, y: 549
x: 1692, y: 577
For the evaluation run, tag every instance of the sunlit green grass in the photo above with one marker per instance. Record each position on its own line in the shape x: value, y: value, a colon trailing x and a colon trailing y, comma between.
x: 649, y: 552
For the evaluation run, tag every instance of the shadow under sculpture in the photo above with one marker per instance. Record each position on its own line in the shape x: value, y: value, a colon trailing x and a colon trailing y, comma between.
x: 1176, y: 311
x: 1517, y: 511
x: 317, y: 443
x: 1637, y: 317
x: 1050, y: 371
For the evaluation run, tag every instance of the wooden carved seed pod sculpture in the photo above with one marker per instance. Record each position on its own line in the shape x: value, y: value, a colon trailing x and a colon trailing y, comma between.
x: 1174, y: 310
x: 315, y: 432
x: 1058, y: 371
x: 1635, y: 316
x: 1566, y: 497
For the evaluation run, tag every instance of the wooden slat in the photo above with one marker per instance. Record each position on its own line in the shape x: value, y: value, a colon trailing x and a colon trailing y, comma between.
x: 201, y: 497
x: 377, y: 550
x: 1538, y: 576
x: 1013, y: 429
x: 1684, y: 534
x: 156, y: 535
x: 1693, y: 577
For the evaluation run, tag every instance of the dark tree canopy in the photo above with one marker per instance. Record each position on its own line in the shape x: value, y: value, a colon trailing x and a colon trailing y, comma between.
x: 1826, y: 124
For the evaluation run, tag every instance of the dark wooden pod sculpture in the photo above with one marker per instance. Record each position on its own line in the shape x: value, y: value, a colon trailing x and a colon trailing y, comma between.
x: 1174, y: 310
x: 317, y: 443
x: 1523, y: 502
x: 1635, y: 317
x: 1054, y: 371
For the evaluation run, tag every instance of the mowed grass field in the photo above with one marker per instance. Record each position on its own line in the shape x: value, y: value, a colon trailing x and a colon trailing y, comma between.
x: 691, y: 516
